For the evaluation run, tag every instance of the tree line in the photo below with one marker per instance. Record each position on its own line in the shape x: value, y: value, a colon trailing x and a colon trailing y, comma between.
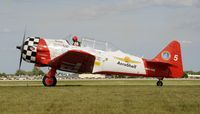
x: 38, y: 72
x: 192, y: 72
x: 34, y: 71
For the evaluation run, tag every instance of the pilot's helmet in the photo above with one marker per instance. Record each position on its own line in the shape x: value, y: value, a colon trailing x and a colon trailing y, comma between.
x: 75, y: 38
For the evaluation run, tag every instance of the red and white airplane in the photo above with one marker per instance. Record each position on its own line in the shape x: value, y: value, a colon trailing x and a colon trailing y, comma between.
x: 89, y: 58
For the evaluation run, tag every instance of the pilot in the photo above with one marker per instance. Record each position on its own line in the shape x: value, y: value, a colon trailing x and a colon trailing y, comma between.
x: 75, y: 41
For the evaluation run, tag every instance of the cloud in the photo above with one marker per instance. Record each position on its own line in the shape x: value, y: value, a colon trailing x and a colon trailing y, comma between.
x: 5, y: 30
x: 187, y: 19
x: 186, y: 42
x: 90, y: 9
x: 7, y: 49
x: 118, y: 6
x: 192, y: 3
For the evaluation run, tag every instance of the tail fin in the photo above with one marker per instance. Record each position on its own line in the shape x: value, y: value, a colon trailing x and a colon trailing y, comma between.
x: 172, y: 55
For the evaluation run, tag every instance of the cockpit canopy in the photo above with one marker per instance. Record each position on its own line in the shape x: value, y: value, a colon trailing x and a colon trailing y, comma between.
x: 97, y: 44
x: 92, y: 43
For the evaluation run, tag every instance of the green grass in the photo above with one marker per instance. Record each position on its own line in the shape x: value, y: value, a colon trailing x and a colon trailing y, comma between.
x: 100, y: 97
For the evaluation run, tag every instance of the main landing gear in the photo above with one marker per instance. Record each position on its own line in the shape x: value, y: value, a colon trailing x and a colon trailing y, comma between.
x: 159, y: 82
x: 49, y: 79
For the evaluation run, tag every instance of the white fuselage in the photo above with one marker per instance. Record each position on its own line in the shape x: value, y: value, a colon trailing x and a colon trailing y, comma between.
x: 105, y: 61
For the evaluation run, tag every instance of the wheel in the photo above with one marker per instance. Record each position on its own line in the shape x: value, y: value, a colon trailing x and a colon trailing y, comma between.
x: 159, y: 83
x: 49, y: 81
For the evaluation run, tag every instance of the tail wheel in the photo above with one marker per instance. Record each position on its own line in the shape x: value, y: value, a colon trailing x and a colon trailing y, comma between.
x: 49, y: 81
x: 159, y: 83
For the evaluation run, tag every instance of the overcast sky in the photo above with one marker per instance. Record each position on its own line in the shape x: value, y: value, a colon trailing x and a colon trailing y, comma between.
x: 139, y: 27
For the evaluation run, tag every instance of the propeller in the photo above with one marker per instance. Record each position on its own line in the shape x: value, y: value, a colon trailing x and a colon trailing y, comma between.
x: 21, y: 48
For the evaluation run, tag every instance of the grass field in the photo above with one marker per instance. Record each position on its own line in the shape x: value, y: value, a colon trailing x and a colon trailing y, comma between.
x: 100, y: 97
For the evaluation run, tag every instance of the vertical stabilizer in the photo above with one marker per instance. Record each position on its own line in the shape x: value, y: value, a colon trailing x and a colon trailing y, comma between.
x: 171, y: 54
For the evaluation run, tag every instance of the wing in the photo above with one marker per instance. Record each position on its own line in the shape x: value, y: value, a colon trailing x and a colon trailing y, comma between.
x: 74, y: 61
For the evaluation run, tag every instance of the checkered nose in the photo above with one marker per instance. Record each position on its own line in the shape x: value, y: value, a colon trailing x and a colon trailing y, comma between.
x: 30, y: 49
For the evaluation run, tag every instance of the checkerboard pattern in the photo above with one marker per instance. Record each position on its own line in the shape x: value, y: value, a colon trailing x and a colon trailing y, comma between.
x: 30, y: 49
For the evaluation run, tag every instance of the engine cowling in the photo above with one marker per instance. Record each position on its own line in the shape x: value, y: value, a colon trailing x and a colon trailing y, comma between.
x: 30, y: 49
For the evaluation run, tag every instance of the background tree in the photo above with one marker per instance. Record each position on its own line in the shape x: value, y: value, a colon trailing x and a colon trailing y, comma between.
x: 35, y: 71
x: 185, y: 75
x: 192, y: 72
x: 3, y: 74
x: 20, y: 72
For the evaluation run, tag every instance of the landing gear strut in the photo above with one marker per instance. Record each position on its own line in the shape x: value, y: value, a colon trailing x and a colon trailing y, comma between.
x: 49, y: 79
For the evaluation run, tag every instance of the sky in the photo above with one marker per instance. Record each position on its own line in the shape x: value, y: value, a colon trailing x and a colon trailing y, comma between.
x: 139, y: 27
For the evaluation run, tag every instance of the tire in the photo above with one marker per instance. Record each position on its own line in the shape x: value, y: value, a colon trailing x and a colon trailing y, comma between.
x: 49, y: 81
x: 159, y: 83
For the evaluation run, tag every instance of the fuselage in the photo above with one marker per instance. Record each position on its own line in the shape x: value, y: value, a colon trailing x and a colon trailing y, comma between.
x: 42, y: 51
x: 61, y: 55
x: 107, y: 62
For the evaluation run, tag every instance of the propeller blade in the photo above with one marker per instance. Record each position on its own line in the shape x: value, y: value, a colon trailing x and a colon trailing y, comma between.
x: 22, y: 48
x: 18, y: 47
x: 20, y: 63
x: 24, y: 37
